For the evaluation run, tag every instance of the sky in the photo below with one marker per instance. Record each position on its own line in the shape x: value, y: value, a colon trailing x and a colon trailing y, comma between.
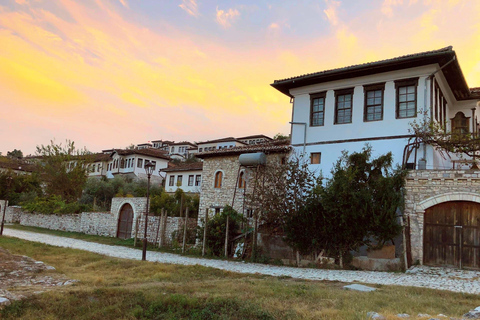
x: 110, y: 73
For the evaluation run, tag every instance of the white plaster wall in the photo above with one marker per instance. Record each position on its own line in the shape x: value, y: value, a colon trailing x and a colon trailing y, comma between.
x: 358, y: 129
x: 184, y: 186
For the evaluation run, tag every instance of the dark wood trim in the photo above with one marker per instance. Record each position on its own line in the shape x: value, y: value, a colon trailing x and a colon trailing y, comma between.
x: 372, y: 87
x: 341, y: 92
x: 355, y: 140
x: 405, y: 83
x: 313, y: 96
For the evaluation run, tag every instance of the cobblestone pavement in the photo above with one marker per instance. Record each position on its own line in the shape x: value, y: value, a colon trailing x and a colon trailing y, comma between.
x: 433, y: 278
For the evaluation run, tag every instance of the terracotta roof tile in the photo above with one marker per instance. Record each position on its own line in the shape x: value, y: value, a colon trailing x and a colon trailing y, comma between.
x: 184, y: 167
x: 270, y: 147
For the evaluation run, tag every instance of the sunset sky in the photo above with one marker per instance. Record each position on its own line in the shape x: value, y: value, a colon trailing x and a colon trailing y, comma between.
x: 108, y: 73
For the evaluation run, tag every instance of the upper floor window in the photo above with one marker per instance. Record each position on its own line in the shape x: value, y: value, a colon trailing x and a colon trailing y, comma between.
x: 241, y: 180
x: 317, y: 109
x: 218, y: 179
x: 190, y: 180
x: 154, y: 165
x: 460, y: 123
x: 171, y: 182
x: 373, y: 102
x: 198, y: 180
x: 179, y: 180
x: 343, y: 106
x: 406, y: 98
x: 140, y: 163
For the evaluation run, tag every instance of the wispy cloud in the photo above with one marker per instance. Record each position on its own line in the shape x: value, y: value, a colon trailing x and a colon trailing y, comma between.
x: 191, y: 7
x: 226, y: 18
x: 124, y: 3
x: 331, y: 11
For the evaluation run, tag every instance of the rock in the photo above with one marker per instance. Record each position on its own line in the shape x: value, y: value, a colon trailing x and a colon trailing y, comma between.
x: 472, y: 314
x: 359, y: 287
x: 423, y: 315
x: 403, y: 315
x: 441, y: 316
x: 477, y: 309
x: 375, y: 315
x: 4, y: 301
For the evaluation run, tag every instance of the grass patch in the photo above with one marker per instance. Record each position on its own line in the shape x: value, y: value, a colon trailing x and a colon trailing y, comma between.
x: 112, y: 288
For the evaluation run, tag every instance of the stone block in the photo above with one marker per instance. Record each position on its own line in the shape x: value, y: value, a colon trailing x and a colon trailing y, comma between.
x: 359, y: 287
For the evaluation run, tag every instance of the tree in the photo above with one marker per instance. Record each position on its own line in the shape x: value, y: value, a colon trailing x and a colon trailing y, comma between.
x: 63, y: 169
x: 357, y: 203
x: 280, y: 190
x: 18, y: 154
x: 281, y: 136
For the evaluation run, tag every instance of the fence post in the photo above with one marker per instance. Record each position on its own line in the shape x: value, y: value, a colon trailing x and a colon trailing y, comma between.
x: 158, y: 229
x: 185, y: 231
x: 136, y: 232
x: 226, y: 238
x: 205, y: 232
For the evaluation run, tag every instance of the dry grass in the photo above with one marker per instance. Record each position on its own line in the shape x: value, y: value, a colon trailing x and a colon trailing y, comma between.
x: 113, y: 288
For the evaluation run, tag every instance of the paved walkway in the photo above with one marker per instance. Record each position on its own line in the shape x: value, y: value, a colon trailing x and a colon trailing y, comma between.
x: 434, y: 278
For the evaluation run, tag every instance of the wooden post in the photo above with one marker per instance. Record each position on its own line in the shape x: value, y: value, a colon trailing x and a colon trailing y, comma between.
x: 185, y: 230
x: 254, y: 249
x: 205, y: 232
x: 159, y: 227
x: 164, y: 227
x: 226, y: 238
x: 136, y: 232
x: 181, y: 205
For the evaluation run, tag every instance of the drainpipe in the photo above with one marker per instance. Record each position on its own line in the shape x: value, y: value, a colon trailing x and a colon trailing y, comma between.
x: 304, y: 133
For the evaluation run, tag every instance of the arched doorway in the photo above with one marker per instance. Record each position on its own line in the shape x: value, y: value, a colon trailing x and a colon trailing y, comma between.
x: 452, y: 235
x: 125, y: 221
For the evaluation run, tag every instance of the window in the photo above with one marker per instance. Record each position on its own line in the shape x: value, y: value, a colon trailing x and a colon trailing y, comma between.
x: 343, y: 106
x: 218, y: 179
x: 198, y: 180
x: 315, y: 157
x: 241, y: 180
x: 171, y: 181
x: 140, y: 163
x: 217, y: 211
x: 200, y: 149
x: 98, y: 167
x: 373, y: 102
x: 249, y: 213
x: 154, y: 165
x: 406, y: 98
x: 460, y: 124
x: 190, y: 180
x: 179, y: 180
x: 317, y: 109
x: 173, y: 149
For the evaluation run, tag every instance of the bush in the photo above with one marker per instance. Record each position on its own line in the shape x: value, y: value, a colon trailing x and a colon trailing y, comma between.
x: 216, y: 228
x: 54, y: 205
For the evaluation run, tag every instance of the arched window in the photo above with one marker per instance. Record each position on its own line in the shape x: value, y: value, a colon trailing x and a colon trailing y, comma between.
x: 241, y: 180
x: 460, y: 124
x: 218, y: 179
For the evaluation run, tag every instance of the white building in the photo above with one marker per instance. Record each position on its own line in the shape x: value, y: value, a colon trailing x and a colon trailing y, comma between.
x: 186, y: 176
x: 223, y: 143
x: 375, y: 103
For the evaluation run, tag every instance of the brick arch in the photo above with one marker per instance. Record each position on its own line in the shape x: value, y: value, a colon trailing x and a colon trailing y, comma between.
x: 446, y: 197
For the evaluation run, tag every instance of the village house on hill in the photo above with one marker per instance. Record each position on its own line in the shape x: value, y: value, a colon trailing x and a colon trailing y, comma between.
x: 376, y: 103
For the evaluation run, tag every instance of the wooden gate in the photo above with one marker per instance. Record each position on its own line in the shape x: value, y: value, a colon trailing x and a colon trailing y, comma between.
x: 125, y: 221
x: 452, y: 235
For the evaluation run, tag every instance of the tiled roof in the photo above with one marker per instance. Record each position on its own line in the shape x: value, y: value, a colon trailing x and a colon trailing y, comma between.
x: 185, y: 167
x: 475, y: 92
x: 368, y: 64
x: 255, y: 137
x: 16, y: 164
x: 271, y: 147
x: 151, y: 152
x: 219, y: 140
x: 445, y: 57
x: 183, y: 143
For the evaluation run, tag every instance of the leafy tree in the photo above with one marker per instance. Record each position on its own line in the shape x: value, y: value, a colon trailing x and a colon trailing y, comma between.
x: 281, y: 190
x: 281, y: 136
x: 359, y: 202
x: 216, y: 229
x: 22, y: 187
x: 18, y: 154
x: 63, y: 169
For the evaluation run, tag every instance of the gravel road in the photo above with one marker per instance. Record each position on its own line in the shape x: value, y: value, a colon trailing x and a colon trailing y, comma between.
x: 433, y: 278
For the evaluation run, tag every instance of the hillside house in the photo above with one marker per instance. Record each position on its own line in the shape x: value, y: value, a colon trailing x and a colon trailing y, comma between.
x: 375, y: 103
x: 186, y: 176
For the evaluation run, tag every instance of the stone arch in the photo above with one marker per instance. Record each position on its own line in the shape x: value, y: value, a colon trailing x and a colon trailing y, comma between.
x: 446, y: 197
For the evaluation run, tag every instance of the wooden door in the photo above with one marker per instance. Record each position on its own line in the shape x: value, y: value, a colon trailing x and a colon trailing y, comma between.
x: 125, y: 221
x: 452, y: 235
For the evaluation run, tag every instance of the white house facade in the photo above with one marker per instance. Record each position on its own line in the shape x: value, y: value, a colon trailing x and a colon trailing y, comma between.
x: 376, y: 103
x: 186, y: 176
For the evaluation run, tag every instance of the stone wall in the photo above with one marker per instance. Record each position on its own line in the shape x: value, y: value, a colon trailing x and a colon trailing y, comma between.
x: 211, y: 197
x: 174, y: 227
x: 426, y: 188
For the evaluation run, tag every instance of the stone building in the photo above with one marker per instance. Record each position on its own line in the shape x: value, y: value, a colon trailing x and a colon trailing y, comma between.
x: 223, y: 177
